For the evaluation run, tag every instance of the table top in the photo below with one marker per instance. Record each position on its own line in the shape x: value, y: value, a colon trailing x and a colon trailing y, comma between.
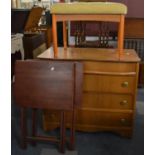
x: 90, y: 54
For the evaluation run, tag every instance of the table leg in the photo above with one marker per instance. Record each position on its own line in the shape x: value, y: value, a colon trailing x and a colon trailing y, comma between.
x: 23, y: 128
x: 62, y: 132
x: 34, y: 127
x: 72, y: 131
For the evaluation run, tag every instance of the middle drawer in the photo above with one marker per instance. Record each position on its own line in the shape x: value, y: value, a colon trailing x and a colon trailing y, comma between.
x: 107, y: 101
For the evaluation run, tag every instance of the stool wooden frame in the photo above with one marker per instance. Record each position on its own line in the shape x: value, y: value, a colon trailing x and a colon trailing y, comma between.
x: 38, y: 85
x: 87, y: 17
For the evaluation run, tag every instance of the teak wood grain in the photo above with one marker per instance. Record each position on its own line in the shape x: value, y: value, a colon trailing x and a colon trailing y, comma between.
x: 108, y: 84
x: 109, y: 90
x: 92, y: 54
x: 107, y: 101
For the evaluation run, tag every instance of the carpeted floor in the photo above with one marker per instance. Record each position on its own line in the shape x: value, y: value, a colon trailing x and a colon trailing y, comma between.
x: 100, y: 143
x: 56, y: 152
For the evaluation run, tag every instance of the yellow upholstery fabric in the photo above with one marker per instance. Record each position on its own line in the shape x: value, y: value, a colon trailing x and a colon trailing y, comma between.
x: 89, y: 8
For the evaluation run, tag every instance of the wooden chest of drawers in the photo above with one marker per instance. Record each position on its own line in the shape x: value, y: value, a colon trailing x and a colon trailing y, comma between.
x: 109, y: 90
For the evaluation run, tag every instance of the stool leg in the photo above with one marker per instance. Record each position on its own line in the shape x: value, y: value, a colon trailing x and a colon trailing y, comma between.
x: 121, y: 36
x: 64, y: 35
x: 34, y: 128
x: 55, y: 42
x: 23, y: 129
x: 62, y: 132
x: 72, y: 130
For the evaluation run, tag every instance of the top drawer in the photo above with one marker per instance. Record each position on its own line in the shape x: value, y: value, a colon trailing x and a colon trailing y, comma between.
x: 90, y: 66
x: 109, y: 84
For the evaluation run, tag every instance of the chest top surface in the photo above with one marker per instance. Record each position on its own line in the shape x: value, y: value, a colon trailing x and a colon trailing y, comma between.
x: 91, y: 54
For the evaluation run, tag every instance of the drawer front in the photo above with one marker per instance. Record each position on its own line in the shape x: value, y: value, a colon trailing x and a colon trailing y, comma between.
x: 107, y: 101
x: 114, y: 84
x: 109, y: 66
x: 90, y: 117
x: 54, y: 116
x: 104, y: 118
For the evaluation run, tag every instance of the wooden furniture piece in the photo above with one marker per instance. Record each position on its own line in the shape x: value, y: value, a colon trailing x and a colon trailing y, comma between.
x: 134, y: 28
x: 47, y: 30
x: 54, y: 86
x: 36, y: 39
x: 34, y: 44
x: 88, y: 11
x: 32, y: 25
x: 109, y: 89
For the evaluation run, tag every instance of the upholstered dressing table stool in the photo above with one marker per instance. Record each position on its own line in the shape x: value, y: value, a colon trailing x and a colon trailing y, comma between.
x: 88, y: 11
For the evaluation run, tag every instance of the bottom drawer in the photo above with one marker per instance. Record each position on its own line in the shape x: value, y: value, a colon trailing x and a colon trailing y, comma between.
x: 96, y: 118
x: 104, y: 118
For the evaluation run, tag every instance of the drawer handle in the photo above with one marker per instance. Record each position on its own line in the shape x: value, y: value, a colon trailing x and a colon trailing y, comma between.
x: 125, y: 84
x: 124, y: 102
x: 123, y: 121
x: 52, y: 68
